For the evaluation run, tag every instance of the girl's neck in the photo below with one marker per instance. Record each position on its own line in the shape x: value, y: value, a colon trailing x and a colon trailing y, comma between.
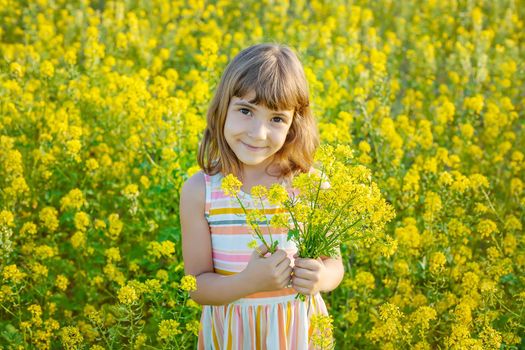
x: 251, y: 176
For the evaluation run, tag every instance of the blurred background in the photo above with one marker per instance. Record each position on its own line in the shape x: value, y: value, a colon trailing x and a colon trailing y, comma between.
x: 102, y: 106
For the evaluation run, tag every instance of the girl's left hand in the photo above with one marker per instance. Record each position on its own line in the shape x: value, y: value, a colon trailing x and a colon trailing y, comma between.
x: 307, y: 275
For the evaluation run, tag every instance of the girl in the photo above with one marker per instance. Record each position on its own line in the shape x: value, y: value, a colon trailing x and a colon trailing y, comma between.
x: 261, y: 129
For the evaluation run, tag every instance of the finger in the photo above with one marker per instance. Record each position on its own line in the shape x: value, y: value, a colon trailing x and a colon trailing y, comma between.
x: 301, y: 282
x: 278, y: 256
x: 286, y: 272
x: 301, y: 290
x: 286, y: 282
x: 304, y: 273
x: 309, y: 264
x: 261, y: 250
x: 281, y: 266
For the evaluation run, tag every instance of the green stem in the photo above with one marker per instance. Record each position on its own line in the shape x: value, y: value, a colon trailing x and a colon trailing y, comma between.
x: 267, y: 223
x: 257, y: 232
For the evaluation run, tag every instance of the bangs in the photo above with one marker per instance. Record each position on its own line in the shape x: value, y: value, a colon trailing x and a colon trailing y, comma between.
x: 278, y: 86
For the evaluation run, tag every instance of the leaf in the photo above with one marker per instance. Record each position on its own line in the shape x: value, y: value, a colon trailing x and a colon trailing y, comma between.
x: 293, y: 233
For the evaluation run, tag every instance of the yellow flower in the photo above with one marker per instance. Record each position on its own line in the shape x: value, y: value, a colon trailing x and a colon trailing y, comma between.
x: 113, y: 254
x: 322, y: 331
x: 78, y: 239
x: 153, y: 285
x: 162, y: 249
x: 127, y: 295
x: 252, y: 244
x: 280, y: 220
x: 71, y: 337
x: 73, y: 200
x: 193, y: 326
x: 277, y: 194
x: 81, y: 221
x: 437, y: 262
x: 188, y: 283
x: 168, y: 329
x: 39, y: 270
x: 486, y: 227
x: 28, y: 228
x: 259, y: 191
x: 47, y: 69
x: 231, y: 185
x: 61, y: 282
x: 48, y: 218
x: 131, y: 191
x: 162, y: 275
x: 7, y: 218
x: 12, y: 273
x: 423, y: 315
x: 115, y: 226
x: 36, y: 313
x: 17, y: 70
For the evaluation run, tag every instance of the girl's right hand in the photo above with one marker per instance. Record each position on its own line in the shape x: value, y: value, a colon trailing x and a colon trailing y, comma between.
x: 270, y: 273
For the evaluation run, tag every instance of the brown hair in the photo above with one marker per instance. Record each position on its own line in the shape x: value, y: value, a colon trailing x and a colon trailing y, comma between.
x: 276, y: 75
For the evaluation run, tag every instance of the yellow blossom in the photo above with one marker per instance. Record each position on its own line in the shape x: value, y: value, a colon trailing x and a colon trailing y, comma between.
x: 168, y: 329
x: 62, y: 282
x: 71, y: 337
x: 322, y: 331
x: 73, y: 200
x: 486, y: 227
x: 188, y: 283
x: 277, y: 194
x: 231, y: 185
x: 11, y: 272
x: 48, y: 218
x: 81, y: 220
x: 127, y: 295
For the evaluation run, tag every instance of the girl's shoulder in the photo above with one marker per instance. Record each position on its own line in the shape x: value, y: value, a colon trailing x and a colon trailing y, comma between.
x: 194, y: 188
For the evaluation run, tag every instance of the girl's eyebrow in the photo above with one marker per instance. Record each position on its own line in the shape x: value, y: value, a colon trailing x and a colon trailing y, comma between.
x: 247, y: 104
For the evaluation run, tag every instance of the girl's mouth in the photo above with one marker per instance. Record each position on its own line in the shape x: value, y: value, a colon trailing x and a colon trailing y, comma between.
x: 252, y: 148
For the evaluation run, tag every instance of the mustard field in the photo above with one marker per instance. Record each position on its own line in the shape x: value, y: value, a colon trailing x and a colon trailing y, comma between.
x: 103, y: 104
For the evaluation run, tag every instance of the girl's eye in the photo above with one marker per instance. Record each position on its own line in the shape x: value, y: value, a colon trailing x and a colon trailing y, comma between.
x: 278, y: 119
x: 244, y: 109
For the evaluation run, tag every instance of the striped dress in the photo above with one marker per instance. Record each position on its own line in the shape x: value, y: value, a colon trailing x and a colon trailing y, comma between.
x: 264, y: 320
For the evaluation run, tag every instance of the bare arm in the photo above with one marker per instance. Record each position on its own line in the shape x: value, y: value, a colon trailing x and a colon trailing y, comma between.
x: 212, y: 288
x: 333, y: 275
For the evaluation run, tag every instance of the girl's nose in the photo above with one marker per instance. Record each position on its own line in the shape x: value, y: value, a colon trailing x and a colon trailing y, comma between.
x: 257, y: 130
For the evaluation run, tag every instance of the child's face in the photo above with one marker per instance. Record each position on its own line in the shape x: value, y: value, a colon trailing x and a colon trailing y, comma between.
x: 253, y: 132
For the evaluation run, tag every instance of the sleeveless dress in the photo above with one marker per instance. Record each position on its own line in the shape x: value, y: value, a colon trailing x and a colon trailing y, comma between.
x: 264, y: 320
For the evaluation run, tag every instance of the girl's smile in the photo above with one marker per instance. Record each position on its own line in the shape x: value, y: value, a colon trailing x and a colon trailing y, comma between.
x: 253, y: 148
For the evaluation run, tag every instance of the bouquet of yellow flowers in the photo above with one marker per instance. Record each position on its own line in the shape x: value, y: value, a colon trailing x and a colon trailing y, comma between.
x: 335, y: 205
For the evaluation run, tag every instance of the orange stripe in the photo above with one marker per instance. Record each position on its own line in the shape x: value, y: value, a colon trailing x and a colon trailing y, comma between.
x: 274, y: 293
x: 224, y: 272
x: 282, y: 334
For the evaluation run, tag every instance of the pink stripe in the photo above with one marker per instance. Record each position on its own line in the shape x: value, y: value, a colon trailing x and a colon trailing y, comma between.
x: 219, y: 195
x: 231, y: 257
x: 239, y: 324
